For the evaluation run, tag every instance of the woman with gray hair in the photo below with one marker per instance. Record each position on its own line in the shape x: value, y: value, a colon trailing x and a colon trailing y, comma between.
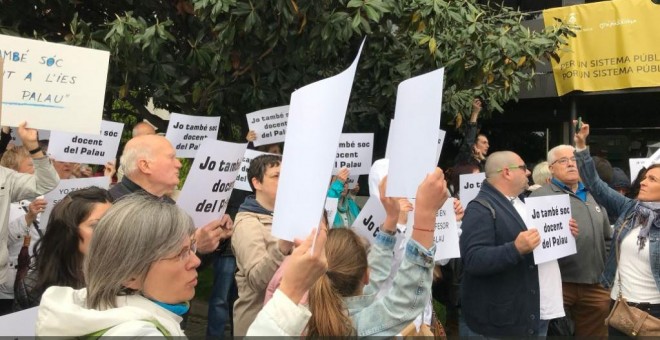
x: 140, y: 272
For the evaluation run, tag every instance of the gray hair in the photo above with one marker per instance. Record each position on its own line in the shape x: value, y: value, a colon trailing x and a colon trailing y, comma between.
x: 541, y: 173
x: 551, y: 154
x: 137, y: 148
x: 136, y: 232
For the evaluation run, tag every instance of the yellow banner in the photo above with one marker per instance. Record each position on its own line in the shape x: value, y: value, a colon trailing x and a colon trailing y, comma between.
x: 617, y: 46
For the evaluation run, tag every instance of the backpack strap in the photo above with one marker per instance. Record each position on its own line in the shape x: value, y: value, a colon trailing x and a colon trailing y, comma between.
x: 96, y: 335
x: 487, y: 205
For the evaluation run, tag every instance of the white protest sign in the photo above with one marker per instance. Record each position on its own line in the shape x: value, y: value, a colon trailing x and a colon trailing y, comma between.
x: 242, y: 182
x: 414, y: 149
x: 84, y: 148
x: 42, y: 135
x: 655, y: 157
x: 211, y: 179
x: 355, y: 152
x: 186, y: 133
x: 52, y: 86
x: 67, y: 186
x: 269, y: 124
x: 550, y: 216
x: 441, y: 141
x: 636, y: 164
x: 446, y: 232
x: 316, y: 117
x: 352, y: 181
x: 19, y: 324
x: 331, y: 209
x: 368, y: 222
x: 470, y: 185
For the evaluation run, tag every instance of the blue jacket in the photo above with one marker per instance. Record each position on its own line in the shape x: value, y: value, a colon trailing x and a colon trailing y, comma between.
x: 500, y: 288
x: 621, y: 206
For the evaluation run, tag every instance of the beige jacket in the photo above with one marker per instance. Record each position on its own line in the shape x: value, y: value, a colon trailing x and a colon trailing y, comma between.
x: 257, y: 259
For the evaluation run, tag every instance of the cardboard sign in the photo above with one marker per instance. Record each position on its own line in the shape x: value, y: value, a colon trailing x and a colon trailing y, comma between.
x: 67, y: 186
x: 84, y: 148
x: 52, y: 86
x: 269, y: 124
x: 316, y: 117
x: 470, y: 185
x: 446, y: 232
x: 242, y: 182
x: 550, y: 216
x: 186, y: 133
x: 368, y: 222
x: 414, y: 149
x: 19, y: 325
x: 211, y: 179
x: 355, y: 152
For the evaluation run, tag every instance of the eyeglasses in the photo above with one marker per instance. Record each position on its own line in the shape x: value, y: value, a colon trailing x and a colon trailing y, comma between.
x: 185, y: 252
x: 564, y: 160
x: 512, y: 167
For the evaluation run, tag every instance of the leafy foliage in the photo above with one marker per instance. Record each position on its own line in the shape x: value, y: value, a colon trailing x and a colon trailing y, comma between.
x: 230, y: 57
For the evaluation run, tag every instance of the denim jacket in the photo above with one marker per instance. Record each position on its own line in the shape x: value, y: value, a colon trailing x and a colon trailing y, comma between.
x: 406, y: 299
x: 623, y: 207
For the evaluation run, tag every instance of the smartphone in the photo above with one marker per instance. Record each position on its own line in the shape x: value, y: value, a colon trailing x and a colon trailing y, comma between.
x: 578, y: 126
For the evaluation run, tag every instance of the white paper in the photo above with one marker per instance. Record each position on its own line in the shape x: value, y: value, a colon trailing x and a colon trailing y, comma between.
x: 68, y: 185
x: 316, y: 117
x: 446, y: 232
x: 550, y: 216
x: 413, y: 152
x: 269, y: 124
x: 368, y: 222
x: 212, y: 177
x: 355, y: 152
x: 331, y: 209
x: 441, y: 140
x: 655, y: 157
x: 242, y: 182
x: 42, y: 135
x: 84, y: 148
x: 352, y: 181
x: 636, y: 164
x: 470, y: 185
x: 53, y: 86
x: 19, y: 325
x: 186, y: 133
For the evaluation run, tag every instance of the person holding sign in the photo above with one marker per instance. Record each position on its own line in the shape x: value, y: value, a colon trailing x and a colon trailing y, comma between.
x: 475, y: 146
x: 500, y: 287
x: 15, y: 187
x: 586, y: 300
x: 347, y: 209
x: 635, y: 274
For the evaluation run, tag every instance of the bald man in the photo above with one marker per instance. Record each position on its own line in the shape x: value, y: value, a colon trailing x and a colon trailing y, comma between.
x: 143, y: 129
x: 150, y: 166
x: 500, y: 287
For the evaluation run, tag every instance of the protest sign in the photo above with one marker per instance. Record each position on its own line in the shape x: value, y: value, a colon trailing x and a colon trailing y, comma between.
x: 352, y: 181
x: 52, y: 86
x: 19, y: 325
x: 441, y: 140
x: 41, y: 135
x: 269, y: 124
x: 355, y: 152
x: 368, y: 222
x: 67, y: 186
x: 550, y: 216
x: 470, y: 184
x: 316, y: 117
x: 636, y: 164
x: 413, y: 154
x: 2, y: 76
x: 186, y: 133
x: 85, y: 148
x: 446, y: 232
x: 242, y: 182
x: 211, y: 179
x: 331, y: 209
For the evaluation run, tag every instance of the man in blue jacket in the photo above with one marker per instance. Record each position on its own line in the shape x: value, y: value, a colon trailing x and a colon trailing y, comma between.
x: 500, y: 288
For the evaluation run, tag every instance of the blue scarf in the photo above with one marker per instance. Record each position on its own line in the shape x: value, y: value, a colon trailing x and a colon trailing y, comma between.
x: 178, y: 309
x: 646, y: 215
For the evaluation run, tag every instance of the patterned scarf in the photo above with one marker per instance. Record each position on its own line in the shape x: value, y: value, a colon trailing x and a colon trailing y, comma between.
x: 645, y: 215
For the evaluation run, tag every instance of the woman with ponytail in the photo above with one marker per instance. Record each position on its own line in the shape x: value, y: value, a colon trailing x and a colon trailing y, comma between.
x: 343, y: 301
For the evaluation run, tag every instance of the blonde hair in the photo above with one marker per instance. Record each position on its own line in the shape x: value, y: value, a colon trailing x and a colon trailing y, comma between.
x: 347, y: 265
x: 12, y: 157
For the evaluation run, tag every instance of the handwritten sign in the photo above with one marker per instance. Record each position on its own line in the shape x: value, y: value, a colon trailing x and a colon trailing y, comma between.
x: 19, y: 325
x: 41, y: 134
x: 67, y: 186
x: 368, y: 222
x: 446, y: 232
x: 550, y: 216
x: 414, y: 150
x: 211, y: 179
x: 187, y: 132
x: 470, y: 185
x: 85, y: 148
x: 316, y: 117
x: 242, y: 180
x: 269, y: 124
x: 441, y: 141
x: 355, y: 152
x: 52, y: 86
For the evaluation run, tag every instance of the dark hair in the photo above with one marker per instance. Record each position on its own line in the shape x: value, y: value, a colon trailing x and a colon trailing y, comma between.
x: 454, y: 175
x: 58, y: 260
x: 634, y: 187
x: 259, y: 165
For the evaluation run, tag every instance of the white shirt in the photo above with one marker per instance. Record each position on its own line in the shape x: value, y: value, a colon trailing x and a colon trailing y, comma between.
x: 637, y: 280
